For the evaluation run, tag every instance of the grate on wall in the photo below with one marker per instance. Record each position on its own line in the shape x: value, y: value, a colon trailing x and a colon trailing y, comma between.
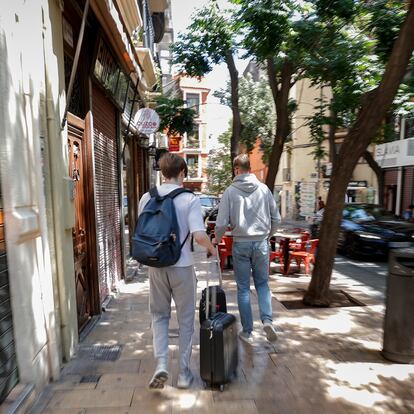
x: 100, y: 352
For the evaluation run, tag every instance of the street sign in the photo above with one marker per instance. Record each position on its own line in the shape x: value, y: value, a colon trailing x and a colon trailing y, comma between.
x: 147, y: 121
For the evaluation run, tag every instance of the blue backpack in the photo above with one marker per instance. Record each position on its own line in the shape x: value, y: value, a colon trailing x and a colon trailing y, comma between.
x: 156, y: 240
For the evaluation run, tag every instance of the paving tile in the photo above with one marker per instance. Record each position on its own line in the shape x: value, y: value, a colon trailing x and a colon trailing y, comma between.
x: 313, y: 355
x: 92, y: 398
x: 121, y: 381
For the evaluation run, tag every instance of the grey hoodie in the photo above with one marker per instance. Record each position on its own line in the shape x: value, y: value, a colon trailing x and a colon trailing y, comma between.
x: 250, y: 209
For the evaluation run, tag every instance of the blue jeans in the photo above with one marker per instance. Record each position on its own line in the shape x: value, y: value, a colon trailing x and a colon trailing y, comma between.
x: 252, y: 258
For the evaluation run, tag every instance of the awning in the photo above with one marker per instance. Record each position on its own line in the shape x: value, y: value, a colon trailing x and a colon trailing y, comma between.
x: 110, y: 20
x: 130, y: 14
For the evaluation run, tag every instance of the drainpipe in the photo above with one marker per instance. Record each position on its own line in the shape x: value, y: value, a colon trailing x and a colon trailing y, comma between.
x: 400, y: 173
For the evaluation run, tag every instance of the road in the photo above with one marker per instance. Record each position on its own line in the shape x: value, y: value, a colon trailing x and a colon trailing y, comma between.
x: 371, y: 274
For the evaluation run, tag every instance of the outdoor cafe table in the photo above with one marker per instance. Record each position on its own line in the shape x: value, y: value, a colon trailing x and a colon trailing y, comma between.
x: 286, y: 237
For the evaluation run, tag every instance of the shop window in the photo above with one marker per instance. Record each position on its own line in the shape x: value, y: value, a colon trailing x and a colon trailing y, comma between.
x: 409, y: 127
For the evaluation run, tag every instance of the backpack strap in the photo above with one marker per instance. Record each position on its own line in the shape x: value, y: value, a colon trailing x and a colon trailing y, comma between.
x: 154, y: 193
x: 178, y: 191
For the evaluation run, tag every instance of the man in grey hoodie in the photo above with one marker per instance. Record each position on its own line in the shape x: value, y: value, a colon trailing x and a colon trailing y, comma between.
x: 250, y: 208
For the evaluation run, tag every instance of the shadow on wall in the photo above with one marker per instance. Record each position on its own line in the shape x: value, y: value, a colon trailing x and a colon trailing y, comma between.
x: 19, y: 159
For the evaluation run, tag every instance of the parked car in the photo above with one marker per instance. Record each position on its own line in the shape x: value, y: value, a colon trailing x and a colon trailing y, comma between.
x: 208, y: 202
x: 210, y: 220
x: 369, y: 230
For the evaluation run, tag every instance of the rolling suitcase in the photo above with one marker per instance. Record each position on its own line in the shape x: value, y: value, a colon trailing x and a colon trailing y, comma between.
x: 218, y: 343
x: 221, y: 303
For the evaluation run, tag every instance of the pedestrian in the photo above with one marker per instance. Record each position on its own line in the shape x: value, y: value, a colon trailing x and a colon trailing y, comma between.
x: 250, y: 208
x: 321, y: 204
x: 177, y: 281
x: 408, y: 213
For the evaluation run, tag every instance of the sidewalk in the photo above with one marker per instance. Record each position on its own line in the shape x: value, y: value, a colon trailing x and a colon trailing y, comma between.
x: 325, y: 361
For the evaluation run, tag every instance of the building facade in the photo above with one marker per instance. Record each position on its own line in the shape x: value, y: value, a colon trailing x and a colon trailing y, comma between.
x: 301, y: 179
x: 72, y: 76
x: 397, y: 161
x: 193, y: 147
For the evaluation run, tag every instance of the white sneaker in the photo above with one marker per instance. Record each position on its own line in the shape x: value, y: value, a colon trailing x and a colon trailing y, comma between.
x: 185, y: 380
x: 246, y: 337
x: 270, y: 331
x: 159, y: 378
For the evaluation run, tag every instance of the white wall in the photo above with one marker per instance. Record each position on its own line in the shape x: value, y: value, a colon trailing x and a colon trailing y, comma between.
x: 24, y: 109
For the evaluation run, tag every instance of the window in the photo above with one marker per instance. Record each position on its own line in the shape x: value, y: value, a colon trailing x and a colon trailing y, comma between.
x: 409, y: 127
x: 193, y: 101
x: 193, y: 139
x: 192, y: 163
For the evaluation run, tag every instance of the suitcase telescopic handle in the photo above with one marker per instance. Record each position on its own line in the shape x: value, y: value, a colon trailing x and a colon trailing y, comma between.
x: 214, y: 290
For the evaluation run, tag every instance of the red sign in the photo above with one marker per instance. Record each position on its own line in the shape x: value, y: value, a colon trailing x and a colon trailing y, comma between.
x: 173, y: 144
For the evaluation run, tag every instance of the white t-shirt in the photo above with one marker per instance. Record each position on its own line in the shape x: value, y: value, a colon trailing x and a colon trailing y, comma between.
x: 189, y: 217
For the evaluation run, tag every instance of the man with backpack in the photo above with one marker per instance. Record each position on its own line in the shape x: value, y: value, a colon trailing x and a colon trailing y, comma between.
x: 250, y: 208
x: 171, y: 271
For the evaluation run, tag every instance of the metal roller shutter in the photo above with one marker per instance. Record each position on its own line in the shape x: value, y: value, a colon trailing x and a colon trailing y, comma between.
x: 8, y: 364
x: 108, y: 226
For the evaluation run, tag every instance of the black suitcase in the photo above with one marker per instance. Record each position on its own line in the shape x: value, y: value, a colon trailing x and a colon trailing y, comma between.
x: 218, y: 343
x: 221, y: 303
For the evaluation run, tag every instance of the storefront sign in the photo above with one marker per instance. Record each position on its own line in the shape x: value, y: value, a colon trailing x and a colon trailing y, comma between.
x: 173, y: 144
x: 361, y: 183
x: 110, y: 75
x: 147, y: 121
x: 395, y: 154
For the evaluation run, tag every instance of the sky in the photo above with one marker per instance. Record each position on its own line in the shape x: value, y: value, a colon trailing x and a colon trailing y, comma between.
x: 218, y: 116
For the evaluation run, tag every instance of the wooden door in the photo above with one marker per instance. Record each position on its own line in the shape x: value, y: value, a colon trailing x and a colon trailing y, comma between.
x: 77, y: 171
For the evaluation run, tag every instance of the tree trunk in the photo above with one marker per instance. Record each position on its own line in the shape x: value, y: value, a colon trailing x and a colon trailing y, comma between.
x: 281, y: 101
x: 373, y: 110
x: 331, y: 135
x: 379, y: 172
x: 237, y: 125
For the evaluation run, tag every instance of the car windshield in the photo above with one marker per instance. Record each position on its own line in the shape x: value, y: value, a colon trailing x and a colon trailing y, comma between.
x: 208, y: 201
x: 367, y: 213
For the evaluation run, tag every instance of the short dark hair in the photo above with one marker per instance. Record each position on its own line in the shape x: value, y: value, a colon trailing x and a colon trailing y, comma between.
x: 242, y: 161
x: 171, y: 165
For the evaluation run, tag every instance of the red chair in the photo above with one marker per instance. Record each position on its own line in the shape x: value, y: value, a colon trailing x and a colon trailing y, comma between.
x: 278, y: 254
x: 225, y: 249
x: 307, y: 257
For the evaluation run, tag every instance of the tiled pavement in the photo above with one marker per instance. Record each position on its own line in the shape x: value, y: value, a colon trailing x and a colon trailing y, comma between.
x: 325, y: 361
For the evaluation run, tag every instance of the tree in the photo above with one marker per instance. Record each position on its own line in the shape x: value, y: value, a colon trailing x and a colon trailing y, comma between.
x: 208, y: 41
x: 374, y: 106
x: 256, y: 112
x: 219, y: 169
x: 175, y: 118
x: 349, y: 64
x: 277, y: 34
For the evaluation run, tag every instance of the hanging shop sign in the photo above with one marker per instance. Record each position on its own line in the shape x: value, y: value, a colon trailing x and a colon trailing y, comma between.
x: 173, y: 144
x: 147, y: 121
